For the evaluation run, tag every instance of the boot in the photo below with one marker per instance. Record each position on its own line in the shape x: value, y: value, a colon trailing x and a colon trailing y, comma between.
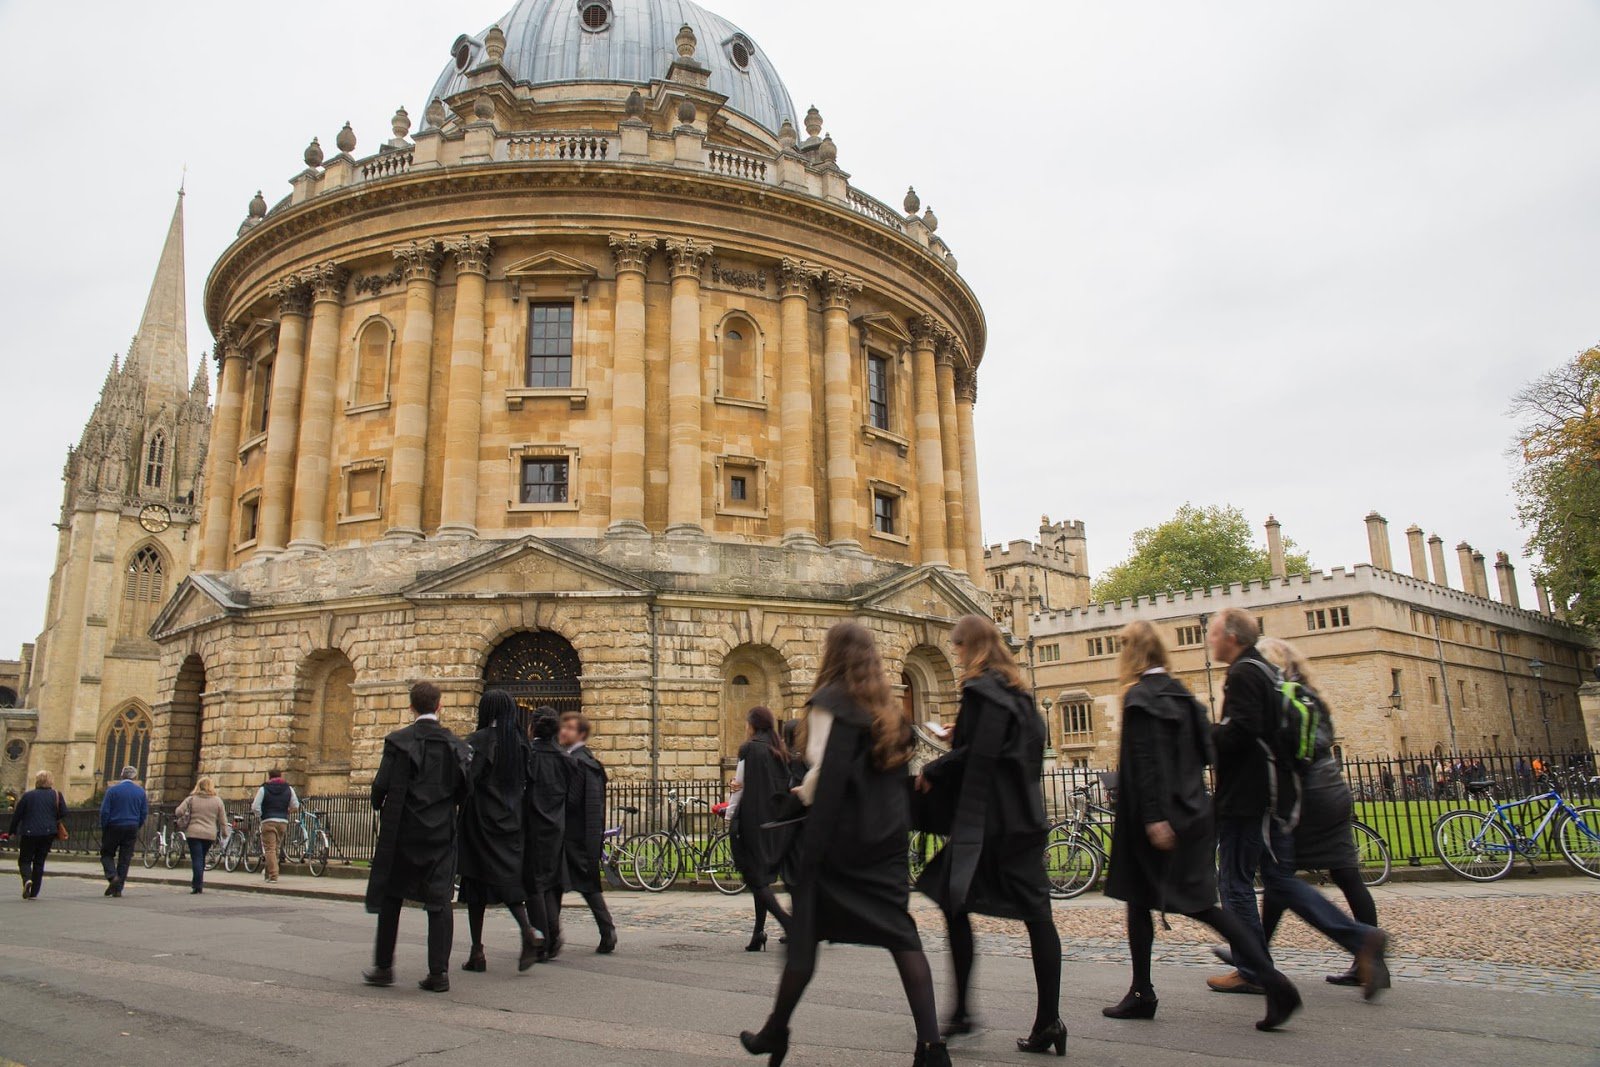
x: 475, y: 961
x: 532, y: 948
x: 608, y: 942
x: 772, y: 1042
x: 1045, y: 1038
x: 1283, y: 1000
x: 435, y: 983
x: 1371, y: 965
x: 932, y: 1054
x: 1138, y: 1004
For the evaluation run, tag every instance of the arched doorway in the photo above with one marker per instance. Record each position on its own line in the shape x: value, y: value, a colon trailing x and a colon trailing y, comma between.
x: 323, y: 718
x: 929, y: 686
x: 183, y: 744
x: 126, y: 743
x: 536, y: 667
x: 752, y: 675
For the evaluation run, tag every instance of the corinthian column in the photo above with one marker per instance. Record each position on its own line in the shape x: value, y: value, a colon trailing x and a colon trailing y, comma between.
x: 930, y: 453
x: 408, y: 457
x: 795, y: 279
x: 839, y: 409
x: 685, y: 450
x: 283, y: 421
x: 950, y: 454
x: 632, y: 254
x: 463, y: 420
x: 223, y: 452
x: 966, y: 400
x: 313, y: 452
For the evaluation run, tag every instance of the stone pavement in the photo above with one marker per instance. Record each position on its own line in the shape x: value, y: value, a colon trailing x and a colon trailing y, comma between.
x: 252, y: 978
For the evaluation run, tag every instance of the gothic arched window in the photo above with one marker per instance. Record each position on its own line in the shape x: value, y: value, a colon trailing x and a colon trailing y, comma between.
x: 143, y: 589
x: 127, y: 744
x: 155, y: 460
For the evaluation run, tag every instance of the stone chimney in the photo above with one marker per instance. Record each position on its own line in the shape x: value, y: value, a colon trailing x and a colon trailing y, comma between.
x: 1436, y: 554
x: 1507, y: 574
x: 1464, y: 561
x: 1480, y: 574
x: 1419, y: 552
x: 1378, y: 541
x: 1275, y: 547
x: 1544, y: 599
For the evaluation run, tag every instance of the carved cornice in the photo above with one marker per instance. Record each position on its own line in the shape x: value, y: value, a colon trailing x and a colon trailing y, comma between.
x: 837, y: 289
x: 327, y: 281
x: 419, y: 261
x: 796, y: 277
x: 967, y: 385
x: 292, y: 296
x: 472, y: 254
x: 632, y: 251
x: 687, y: 256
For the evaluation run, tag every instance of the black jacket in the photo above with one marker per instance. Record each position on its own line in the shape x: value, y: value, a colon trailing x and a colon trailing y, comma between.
x: 586, y: 821
x: 764, y: 799
x: 1249, y: 705
x: 545, y: 816
x: 37, y: 813
x: 491, y: 820
x: 423, y: 779
x: 1161, y: 778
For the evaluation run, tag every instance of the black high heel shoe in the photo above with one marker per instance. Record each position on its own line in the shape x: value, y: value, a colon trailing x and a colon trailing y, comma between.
x: 758, y: 942
x: 960, y: 1025
x: 1045, y: 1039
x: 932, y: 1054
x: 476, y: 961
x: 771, y: 1043
x: 1136, y: 1005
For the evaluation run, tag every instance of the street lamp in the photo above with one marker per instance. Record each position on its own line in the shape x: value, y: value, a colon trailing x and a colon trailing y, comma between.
x: 1537, y: 668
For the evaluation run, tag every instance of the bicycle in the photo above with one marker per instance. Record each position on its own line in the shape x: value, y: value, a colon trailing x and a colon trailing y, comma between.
x: 1372, y: 854
x: 661, y: 857
x: 231, y: 854
x: 167, y: 844
x: 308, y: 843
x: 1481, y: 847
x: 616, y: 856
x: 1075, y: 852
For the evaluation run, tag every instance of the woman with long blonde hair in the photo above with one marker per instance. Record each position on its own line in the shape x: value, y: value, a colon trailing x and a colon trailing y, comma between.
x: 203, y: 818
x: 993, y: 859
x: 1163, y: 838
x: 851, y: 870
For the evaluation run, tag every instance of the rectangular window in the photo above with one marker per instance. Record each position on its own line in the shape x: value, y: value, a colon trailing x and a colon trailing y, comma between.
x: 1338, y: 617
x: 550, y: 346
x: 738, y: 488
x: 1394, y: 685
x: 248, y: 511
x: 884, y: 506
x: 263, y: 397
x: 1077, y: 721
x: 1261, y: 626
x: 1190, y: 635
x: 544, y: 481
x: 1096, y: 646
x: 1050, y: 653
x: 878, y: 391
x: 1433, y: 689
x: 1317, y: 620
x: 363, y: 491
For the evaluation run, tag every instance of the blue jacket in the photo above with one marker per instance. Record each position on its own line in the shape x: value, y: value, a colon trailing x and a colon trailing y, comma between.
x: 37, y: 813
x: 124, y: 805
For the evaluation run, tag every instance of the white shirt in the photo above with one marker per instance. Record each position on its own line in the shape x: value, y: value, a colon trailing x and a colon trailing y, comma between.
x: 734, y: 795
x: 818, y: 725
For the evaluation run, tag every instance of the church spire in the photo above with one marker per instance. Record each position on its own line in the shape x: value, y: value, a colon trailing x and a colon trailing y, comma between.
x: 161, y: 348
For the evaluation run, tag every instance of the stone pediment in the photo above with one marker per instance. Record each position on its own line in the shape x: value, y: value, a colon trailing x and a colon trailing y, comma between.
x: 530, y: 567
x: 199, y: 598
x: 886, y: 329
x: 551, y: 270
x: 928, y: 592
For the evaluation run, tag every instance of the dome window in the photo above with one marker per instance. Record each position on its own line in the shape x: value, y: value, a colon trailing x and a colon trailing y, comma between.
x: 461, y: 52
x: 596, y: 16
x: 739, y: 52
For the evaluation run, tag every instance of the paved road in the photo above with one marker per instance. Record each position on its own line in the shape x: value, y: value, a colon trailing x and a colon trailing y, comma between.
x: 242, y: 978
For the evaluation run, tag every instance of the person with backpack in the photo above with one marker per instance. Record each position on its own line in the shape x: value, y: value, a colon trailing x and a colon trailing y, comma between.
x: 274, y: 804
x: 35, y: 819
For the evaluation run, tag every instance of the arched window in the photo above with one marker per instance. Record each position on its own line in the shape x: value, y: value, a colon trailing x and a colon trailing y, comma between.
x: 127, y: 744
x: 371, y: 379
x: 739, y: 369
x: 144, y: 588
x: 155, y: 460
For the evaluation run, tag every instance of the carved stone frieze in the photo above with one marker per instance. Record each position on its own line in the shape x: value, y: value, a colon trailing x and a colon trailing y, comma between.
x: 737, y: 278
x: 377, y: 283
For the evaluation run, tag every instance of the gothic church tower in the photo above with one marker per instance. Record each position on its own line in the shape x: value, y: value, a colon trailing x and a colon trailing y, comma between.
x: 125, y: 542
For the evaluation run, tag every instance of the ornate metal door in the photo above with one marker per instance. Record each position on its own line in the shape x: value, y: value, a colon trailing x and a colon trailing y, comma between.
x: 536, y: 668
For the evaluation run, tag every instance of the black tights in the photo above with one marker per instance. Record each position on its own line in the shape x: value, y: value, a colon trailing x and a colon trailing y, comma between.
x: 1044, y: 943
x: 544, y: 913
x: 1355, y: 891
x: 475, y: 912
x: 767, y: 901
x: 916, y: 977
x: 1142, y: 938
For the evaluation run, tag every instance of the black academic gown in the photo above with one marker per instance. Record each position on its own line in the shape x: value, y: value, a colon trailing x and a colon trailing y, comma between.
x: 586, y: 821
x: 1161, y: 778
x: 757, y: 852
x: 491, y: 823
x: 1323, y: 838
x: 423, y: 779
x: 544, y: 817
x: 993, y: 860
x: 852, y: 877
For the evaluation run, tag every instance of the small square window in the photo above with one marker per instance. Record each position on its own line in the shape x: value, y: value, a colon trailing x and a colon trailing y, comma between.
x: 738, y: 488
x: 544, y: 480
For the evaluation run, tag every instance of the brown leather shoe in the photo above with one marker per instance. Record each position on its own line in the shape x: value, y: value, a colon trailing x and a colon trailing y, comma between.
x: 1234, y: 983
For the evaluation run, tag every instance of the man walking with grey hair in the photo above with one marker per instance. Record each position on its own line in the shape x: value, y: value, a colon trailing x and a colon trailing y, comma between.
x: 122, y: 812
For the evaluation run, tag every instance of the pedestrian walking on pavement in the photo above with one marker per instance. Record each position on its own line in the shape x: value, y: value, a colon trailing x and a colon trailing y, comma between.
x: 491, y: 827
x: 36, y: 820
x: 762, y: 780
x: 585, y: 829
x: 853, y: 881
x: 1163, y: 838
x: 275, y: 804
x: 123, y: 810
x: 203, y: 818
x: 544, y: 827
x: 423, y: 779
x: 993, y: 859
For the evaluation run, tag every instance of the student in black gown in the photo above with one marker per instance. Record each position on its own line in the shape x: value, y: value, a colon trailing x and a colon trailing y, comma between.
x: 852, y: 878
x: 491, y: 827
x: 763, y: 781
x: 586, y: 827
x: 544, y: 828
x: 993, y: 860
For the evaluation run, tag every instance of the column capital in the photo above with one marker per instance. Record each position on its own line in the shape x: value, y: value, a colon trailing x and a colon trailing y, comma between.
x: 950, y: 350
x: 967, y: 384
x: 687, y: 255
x: 292, y: 296
x: 227, y: 346
x: 632, y: 251
x: 796, y: 277
x: 420, y: 260
x: 925, y: 331
x: 472, y: 254
x: 326, y: 281
x: 837, y: 289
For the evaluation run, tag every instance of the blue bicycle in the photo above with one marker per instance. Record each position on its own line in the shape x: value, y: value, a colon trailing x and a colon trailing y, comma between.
x: 1481, y: 846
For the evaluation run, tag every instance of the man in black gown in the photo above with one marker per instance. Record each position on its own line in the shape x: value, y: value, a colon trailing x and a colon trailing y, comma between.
x: 421, y: 784
x: 586, y: 823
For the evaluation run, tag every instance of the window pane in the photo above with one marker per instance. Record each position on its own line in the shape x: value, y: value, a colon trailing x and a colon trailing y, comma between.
x: 544, y: 481
x: 878, y: 391
x: 550, y: 346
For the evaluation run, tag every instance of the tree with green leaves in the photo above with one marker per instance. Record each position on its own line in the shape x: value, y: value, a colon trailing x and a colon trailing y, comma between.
x: 1558, y: 490
x: 1196, y: 547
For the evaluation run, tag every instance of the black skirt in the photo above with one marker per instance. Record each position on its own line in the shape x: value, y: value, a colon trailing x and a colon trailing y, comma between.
x: 1009, y: 882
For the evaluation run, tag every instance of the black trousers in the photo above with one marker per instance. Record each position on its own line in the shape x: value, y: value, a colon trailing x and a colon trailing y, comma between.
x: 441, y: 933
x: 116, y: 851
x: 31, y: 856
x: 597, y: 907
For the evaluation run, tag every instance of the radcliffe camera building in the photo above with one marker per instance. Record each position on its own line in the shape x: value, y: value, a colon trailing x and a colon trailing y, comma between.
x: 600, y: 384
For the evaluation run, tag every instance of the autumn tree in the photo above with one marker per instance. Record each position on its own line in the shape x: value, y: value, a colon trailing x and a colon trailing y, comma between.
x: 1196, y: 547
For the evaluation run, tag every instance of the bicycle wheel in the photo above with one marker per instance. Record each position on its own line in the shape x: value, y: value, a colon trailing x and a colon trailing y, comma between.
x: 213, y: 856
x: 1372, y: 855
x: 153, y: 847
x: 253, y: 856
x: 233, y: 852
x: 1473, y: 845
x: 1072, y: 867
x: 655, y: 861
x: 317, y: 855
x: 177, y: 850
x: 717, y: 861
x: 1579, y: 837
x: 623, y: 864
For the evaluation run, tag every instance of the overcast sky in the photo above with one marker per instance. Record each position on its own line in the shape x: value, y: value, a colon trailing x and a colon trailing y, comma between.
x: 1293, y: 257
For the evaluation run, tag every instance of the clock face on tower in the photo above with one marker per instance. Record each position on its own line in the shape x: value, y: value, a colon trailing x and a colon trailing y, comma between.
x: 155, y: 518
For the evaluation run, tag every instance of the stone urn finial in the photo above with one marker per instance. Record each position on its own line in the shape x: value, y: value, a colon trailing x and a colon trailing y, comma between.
x: 686, y: 42
x: 346, y: 141
x: 494, y: 44
x: 400, y: 124
x: 913, y: 202
x: 813, y: 122
x: 787, y: 135
x: 634, y: 106
x: 483, y: 107
x: 258, y: 206
x: 313, y: 155
x: 686, y: 111
x: 827, y: 151
x: 930, y: 220
x: 435, y: 114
